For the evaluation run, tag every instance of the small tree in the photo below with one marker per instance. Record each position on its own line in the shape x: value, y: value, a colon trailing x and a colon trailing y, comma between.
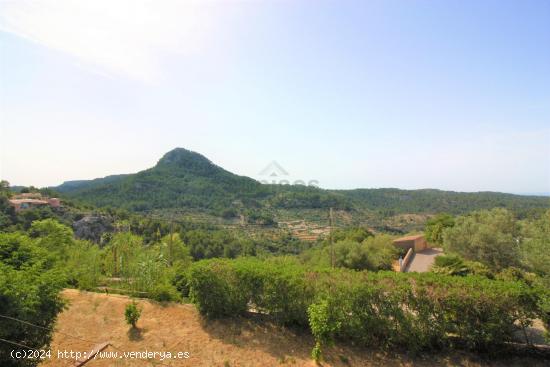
x: 435, y: 227
x: 132, y: 313
x: 488, y: 236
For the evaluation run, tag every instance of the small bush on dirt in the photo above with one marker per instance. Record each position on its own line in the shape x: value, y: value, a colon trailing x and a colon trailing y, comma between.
x: 132, y: 313
x: 323, y: 326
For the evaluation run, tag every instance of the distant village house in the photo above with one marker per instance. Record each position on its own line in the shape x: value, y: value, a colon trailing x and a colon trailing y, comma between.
x: 32, y: 200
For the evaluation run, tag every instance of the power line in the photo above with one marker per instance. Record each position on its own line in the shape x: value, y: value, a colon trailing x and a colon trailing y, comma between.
x: 19, y: 345
x: 24, y: 322
x: 45, y: 328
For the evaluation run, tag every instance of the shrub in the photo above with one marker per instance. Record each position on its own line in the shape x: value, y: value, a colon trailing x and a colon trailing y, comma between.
x: 455, y: 265
x: 323, y: 324
x: 215, y: 289
x: 132, y: 313
x: 30, y: 282
x: 424, y: 310
x: 277, y: 288
x: 535, y: 245
x: 181, y: 281
x: 544, y: 303
x: 436, y: 225
x: 381, y: 252
x: 226, y: 288
x: 83, y: 265
x: 477, y: 268
x: 351, y: 255
x: 450, y: 265
x: 516, y: 274
x: 487, y: 236
x: 165, y: 293
x: 377, y: 311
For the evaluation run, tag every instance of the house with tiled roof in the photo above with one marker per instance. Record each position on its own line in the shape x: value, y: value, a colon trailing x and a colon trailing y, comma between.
x: 31, y: 201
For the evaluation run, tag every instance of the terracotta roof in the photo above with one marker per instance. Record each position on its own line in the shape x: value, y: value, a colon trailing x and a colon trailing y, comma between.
x: 409, y: 238
x: 29, y: 201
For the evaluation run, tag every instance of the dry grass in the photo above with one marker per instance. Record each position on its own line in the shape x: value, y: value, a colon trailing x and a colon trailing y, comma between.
x: 246, y: 342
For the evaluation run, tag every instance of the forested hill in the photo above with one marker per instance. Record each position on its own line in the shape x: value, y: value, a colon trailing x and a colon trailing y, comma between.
x: 181, y: 178
x: 185, y: 179
x: 433, y: 201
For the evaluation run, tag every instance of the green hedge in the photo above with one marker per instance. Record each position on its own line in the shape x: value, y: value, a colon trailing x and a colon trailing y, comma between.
x: 216, y: 290
x: 223, y: 288
x: 278, y: 288
x: 383, y: 309
x: 425, y: 310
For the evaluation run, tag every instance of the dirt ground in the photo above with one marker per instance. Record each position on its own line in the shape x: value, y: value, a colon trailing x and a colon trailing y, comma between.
x: 99, y: 318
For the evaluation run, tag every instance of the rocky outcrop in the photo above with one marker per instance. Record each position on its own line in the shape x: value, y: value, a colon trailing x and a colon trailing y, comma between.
x: 92, y: 227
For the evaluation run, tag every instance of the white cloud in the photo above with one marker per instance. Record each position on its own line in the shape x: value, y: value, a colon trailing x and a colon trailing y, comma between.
x: 118, y: 37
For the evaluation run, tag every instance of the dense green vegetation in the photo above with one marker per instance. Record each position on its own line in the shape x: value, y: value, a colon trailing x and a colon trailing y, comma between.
x: 395, y: 201
x: 353, y: 250
x: 31, y: 277
x: 456, y: 265
x: 498, y: 240
x: 180, y: 179
x: 377, y: 309
x: 187, y: 180
x: 535, y: 244
x: 435, y: 227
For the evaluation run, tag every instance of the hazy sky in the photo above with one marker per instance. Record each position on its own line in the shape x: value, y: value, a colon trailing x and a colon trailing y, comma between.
x: 409, y: 94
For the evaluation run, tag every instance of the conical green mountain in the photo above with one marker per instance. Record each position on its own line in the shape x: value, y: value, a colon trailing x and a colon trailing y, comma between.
x: 187, y: 180
x: 180, y: 179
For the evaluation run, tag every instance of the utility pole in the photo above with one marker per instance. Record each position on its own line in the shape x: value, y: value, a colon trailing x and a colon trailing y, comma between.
x: 170, y: 244
x: 115, y: 260
x: 330, y: 221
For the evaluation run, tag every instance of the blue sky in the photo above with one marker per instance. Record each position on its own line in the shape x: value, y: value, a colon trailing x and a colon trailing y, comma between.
x: 411, y: 94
